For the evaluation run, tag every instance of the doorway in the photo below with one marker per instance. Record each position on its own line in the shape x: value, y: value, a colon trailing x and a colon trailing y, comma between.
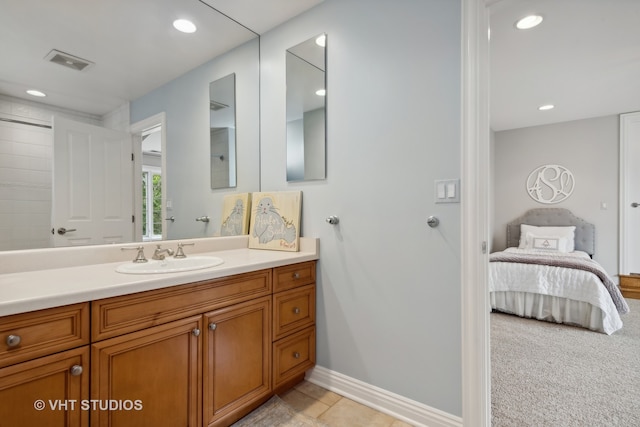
x: 149, y: 140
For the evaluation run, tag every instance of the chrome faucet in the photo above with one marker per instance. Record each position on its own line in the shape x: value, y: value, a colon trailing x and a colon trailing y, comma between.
x: 159, y: 253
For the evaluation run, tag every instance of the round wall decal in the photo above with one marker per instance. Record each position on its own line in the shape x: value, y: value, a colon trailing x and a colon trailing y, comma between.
x: 550, y: 184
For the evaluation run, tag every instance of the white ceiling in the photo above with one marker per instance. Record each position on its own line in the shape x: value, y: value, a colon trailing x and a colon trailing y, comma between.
x: 132, y: 43
x: 584, y: 58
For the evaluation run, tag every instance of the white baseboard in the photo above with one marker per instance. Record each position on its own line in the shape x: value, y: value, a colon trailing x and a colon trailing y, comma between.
x: 397, y: 406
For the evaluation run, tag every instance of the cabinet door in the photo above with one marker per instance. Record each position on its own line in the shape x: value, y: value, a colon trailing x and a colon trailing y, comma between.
x: 237, y: 360
x: 46, y: 391
x: 153, y: 375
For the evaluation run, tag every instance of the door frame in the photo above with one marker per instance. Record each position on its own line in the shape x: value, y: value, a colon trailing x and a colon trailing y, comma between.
x: 626, y: 164
x: 136, y: 130
x: 475, y: 152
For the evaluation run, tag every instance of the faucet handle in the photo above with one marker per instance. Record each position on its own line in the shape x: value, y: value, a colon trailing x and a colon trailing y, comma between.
x: 139, y: 256
x: 179, y: 252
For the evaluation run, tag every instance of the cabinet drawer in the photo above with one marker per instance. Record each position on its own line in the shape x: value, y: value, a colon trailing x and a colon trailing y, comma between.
x: 293, y: 310
x: 118, y: 315
x: 294, y: 355
x: 292, y: 276
x: 29, y: 335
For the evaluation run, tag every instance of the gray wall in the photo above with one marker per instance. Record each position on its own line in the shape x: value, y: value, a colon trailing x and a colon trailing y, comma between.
x: 185, y: 101
x: 589, y: 149
x: 388, y: 285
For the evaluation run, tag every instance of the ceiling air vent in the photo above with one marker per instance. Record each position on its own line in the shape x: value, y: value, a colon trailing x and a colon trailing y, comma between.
x: 68, y: 60
x: 215, y: 106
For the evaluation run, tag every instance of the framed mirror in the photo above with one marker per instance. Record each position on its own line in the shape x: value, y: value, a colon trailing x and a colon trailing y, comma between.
x: 222, y: 124
x: 306, y: 110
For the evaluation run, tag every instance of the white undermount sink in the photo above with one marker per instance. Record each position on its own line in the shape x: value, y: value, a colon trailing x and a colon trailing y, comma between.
x: 170, y: 265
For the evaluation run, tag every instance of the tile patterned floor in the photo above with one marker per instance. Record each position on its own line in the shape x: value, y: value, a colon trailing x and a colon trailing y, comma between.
x: 335, y: 410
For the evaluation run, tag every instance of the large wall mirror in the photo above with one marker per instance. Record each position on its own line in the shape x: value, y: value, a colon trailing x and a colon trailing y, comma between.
x: 120, y: 64
x: 306, y: 110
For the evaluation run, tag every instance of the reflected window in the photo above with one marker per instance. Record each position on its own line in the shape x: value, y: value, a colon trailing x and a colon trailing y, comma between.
x: 151, y: 203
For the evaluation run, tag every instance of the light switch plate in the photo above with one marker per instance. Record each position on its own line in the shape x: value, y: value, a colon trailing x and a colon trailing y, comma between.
x: 447, y: 191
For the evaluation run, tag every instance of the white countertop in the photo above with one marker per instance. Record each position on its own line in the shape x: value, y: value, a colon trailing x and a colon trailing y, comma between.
x: 45, y: 288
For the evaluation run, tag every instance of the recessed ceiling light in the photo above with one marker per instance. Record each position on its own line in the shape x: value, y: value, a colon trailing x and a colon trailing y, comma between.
x: 184, y: 25
x: 321, y: 40
x: 321, y: 92
x: 34, y: 92
x: 528, y: 22
x: 546, y: 107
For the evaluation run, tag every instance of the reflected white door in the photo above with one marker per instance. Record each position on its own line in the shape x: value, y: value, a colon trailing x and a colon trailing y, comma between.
x: 92, y: 185
x: 630, y: 193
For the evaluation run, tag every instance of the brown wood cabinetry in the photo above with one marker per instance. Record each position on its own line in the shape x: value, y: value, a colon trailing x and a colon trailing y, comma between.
x: 46, y: 391
x: 630, y: 286
x: 198, y: 354
x: 237, y: 368
x: 153, y: 376
x: 294, y: 317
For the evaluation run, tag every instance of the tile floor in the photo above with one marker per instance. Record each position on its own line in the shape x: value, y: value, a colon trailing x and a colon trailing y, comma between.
x: 335, y: 410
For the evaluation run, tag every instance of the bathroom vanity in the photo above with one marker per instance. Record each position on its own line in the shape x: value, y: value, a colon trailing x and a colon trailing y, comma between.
x: 200, y: 348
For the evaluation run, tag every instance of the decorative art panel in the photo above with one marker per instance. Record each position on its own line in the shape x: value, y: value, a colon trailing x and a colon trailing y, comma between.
x: 550, y: 184
x: 275, y: 220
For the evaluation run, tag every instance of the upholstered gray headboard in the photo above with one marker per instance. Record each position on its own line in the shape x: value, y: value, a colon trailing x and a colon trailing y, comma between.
x: 585, y: 237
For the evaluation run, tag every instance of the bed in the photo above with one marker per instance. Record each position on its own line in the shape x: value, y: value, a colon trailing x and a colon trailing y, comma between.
x: 548, y: 273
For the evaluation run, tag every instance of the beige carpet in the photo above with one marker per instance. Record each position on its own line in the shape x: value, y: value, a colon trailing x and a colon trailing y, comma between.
x: 277, y: 413
x: 545, y: 374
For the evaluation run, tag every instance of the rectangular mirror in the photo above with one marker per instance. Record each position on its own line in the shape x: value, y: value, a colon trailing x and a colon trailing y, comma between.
x: 306, y: 110
x: 222, y: 123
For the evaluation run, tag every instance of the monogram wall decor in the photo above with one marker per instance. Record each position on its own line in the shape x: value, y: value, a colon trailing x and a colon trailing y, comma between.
x: 550, y: 184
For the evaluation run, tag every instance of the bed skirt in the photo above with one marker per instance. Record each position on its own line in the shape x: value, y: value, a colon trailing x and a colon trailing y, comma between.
x: 549, y: 308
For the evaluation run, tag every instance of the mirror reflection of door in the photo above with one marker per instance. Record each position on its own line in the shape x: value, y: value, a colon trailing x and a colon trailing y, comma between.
x: 92, y: 185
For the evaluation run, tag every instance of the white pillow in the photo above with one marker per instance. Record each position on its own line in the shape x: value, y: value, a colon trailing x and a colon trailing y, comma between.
x: 528, y: 234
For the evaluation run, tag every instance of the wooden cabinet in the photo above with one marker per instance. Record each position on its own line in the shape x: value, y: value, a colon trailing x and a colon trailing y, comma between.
x: 237, y: 368
x: 153, y: 375
x: 47, y: 391
x: 198, y: 354
x: 294, y: 316
x: 630, y: 286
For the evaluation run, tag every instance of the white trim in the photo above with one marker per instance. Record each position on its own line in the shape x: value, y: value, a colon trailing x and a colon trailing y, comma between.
x: 476, y: 369
x: 397, y: 406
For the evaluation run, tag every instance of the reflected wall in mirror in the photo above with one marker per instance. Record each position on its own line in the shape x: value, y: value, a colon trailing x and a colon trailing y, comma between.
x: 111, y: 96
x: 222, y: 122
x: 306, y: 110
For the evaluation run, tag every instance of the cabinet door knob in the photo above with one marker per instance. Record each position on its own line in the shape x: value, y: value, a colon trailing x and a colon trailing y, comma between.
x: 296, y: 310
x: 76, y: 370
x: 296, y: 275
x: 296, y: 355
x: 13, y: 340
x: 196, y: 332
x: 212, y: 326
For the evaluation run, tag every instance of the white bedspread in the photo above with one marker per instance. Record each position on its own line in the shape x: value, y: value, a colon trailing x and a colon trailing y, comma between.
x: 561, y: 282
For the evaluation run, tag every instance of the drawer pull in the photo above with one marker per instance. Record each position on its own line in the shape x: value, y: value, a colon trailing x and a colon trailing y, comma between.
x: 296, y: 310
x: 296, y: 275
x: 76, y: 370
x: 212, y: 326
x: 196, y: 332
x: 13, y: 340
x: 296, y: 355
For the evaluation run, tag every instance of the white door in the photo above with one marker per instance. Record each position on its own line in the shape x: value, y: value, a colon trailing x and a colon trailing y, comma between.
x: 630, y: 193
x: 92, y: 185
